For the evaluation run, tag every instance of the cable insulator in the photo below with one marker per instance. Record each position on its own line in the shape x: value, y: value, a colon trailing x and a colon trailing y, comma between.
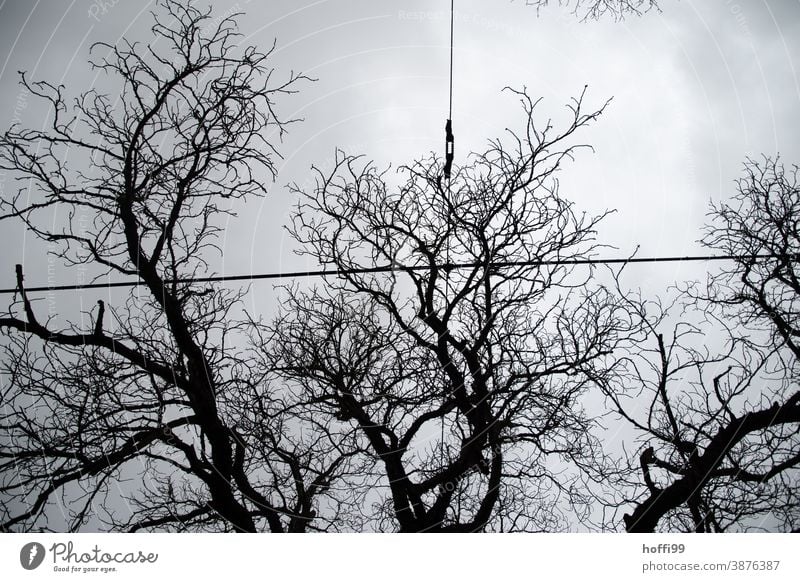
x: 449, y: 148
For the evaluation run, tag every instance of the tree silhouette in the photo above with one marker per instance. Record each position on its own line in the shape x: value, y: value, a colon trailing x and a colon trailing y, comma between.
x: 720, y: 448
x: 453, y: 373
x: 465, y: 384
x: 154, y: 385
x: 595, y: 9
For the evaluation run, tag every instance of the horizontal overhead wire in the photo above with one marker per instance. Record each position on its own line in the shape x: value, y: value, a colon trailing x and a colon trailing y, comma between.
x: 401, y: 268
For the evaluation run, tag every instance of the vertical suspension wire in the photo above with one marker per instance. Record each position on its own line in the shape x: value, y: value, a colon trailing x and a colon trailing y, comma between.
x: 452, y: 12
x: 449, y: 142
x: 449, y: 154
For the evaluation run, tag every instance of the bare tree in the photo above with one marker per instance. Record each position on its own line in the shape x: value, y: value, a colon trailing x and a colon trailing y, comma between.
x: 720, y: 427
x: 153, y: 388
x: 462, y: 367
x: 595, y: 9
x: 445, y: 379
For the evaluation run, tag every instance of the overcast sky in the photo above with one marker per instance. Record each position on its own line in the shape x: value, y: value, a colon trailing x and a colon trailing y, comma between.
x: 696, y: 88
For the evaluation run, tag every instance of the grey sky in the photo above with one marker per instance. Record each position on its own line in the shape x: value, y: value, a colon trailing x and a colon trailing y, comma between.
x: 696, y: 88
